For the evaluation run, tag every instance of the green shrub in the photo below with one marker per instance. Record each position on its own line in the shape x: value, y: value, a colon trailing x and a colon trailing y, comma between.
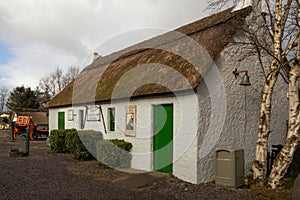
x: 113, y: 156
x: 82, y: 143
x: 127, y: 146
x: 89, y: 139
x: 71, y: 140
x: 57, y: 141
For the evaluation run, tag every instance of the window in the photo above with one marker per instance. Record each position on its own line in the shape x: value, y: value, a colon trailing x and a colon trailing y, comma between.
x: 111, y: 119
x: 70, y: 115
x: 81, y: 119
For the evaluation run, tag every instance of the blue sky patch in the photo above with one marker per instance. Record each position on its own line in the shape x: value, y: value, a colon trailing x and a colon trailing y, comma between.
x: 5, y: 54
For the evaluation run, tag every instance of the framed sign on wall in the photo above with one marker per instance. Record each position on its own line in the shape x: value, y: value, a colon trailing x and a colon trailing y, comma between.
x: 70, y: 115
x: 130, y: 120
x: 93, y: 113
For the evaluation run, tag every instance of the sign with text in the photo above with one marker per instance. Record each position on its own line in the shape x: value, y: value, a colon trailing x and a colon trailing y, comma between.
x: 93, y: 113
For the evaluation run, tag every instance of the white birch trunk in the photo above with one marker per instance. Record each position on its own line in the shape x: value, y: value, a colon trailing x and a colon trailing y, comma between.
x: 285, y: 157
x: 259, y: 166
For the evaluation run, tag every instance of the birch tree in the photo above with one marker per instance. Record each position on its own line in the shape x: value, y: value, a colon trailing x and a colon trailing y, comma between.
x: 284, y: 159
x: 260, y: 164
x: 281, y: 19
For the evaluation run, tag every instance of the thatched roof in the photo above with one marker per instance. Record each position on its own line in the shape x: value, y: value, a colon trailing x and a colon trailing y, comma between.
x: 169, y: 62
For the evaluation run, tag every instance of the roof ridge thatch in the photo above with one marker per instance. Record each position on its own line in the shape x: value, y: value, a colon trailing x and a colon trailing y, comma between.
x: 111, y: 68
x: 214, y: 21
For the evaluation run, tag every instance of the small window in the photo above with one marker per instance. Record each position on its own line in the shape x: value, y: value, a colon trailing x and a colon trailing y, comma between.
x: 70, y: 115
x: 111, y: 119
x: 81, y: 119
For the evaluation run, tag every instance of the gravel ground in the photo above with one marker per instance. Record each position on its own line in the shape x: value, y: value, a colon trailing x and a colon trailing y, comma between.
x: 44, y: 175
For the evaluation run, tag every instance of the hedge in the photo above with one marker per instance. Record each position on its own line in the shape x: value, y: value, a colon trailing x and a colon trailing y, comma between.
x: 57, y: 140
x: 112, y: 153
x: 122, y: 144
x: 86, y: 149
x: 81, y: 144
x: 87, y: 145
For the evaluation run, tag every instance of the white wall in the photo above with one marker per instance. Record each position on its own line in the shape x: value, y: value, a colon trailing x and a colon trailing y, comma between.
x: 184, y: 134
x: 241, y: 123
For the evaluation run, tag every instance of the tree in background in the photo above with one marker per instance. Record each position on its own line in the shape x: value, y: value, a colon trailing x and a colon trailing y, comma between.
x: 21, y: 98
x: 3, y: 97
x: 42, y: 97
x: 70, y: 75
x: 282, y: 26
x: 57, y: 81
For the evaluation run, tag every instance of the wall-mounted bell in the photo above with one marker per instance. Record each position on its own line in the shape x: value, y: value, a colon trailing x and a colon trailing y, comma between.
x: 245, y: 80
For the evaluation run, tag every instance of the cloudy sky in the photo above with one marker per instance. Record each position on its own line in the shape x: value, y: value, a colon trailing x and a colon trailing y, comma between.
x: 36, y: 36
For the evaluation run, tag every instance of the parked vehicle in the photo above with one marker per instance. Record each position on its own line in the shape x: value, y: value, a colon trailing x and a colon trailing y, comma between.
x: 38, y: 126
x: 4, y: 124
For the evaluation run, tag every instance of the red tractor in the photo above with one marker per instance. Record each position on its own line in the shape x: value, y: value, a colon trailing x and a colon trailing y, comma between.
x: 23, y: 122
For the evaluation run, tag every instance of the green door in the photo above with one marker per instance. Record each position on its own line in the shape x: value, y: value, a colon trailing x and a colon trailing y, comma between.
x: 61, y: 120
x: 163, y: 138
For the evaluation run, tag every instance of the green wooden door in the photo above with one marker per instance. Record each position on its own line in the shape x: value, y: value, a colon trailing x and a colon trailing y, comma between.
x: 163, y: 138
x: 61, y: 120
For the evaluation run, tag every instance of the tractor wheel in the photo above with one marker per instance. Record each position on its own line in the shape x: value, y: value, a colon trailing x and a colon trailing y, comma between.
x: 15, y: 136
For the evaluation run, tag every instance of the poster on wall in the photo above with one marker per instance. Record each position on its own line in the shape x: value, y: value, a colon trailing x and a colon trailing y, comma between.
x: 93, y: 113
x: 130, y: 121
x: 70, y: 114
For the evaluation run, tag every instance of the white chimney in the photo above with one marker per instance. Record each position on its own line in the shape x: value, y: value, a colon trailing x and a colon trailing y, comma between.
x: 96, y: 56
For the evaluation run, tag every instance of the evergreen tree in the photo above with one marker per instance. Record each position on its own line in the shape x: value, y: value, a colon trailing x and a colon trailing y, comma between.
x: 21, y: 98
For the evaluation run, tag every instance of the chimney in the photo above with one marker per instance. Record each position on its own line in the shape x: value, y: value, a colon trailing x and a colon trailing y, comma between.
x: 96, y: 56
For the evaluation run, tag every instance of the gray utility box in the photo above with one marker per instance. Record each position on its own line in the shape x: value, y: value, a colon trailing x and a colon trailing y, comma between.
x: 229, y: 167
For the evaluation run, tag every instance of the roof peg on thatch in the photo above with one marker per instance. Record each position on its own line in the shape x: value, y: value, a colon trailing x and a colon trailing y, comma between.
x: 96, y: 56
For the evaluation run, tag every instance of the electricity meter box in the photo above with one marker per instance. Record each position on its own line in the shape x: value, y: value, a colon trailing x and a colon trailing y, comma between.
x: 229, y: 167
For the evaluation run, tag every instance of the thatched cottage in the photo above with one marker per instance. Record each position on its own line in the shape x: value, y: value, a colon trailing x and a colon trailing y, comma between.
x: 175, y: 98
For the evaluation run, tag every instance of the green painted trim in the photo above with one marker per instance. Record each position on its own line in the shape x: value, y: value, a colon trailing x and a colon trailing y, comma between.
x: 163, y: 138
x: 111, y: 121
x: 61, y: 120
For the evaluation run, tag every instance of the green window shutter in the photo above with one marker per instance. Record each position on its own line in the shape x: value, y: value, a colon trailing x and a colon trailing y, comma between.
x: 81, y: 119
x: 111, y: 121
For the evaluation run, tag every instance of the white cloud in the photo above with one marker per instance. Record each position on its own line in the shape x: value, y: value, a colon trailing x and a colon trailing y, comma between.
x: 45, y: 34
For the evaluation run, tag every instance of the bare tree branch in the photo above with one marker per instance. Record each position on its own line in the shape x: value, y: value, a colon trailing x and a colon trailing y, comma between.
x: 287, y: 8
x: 291, y: 45
x: 3, y: 97
x: 57, y: 81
